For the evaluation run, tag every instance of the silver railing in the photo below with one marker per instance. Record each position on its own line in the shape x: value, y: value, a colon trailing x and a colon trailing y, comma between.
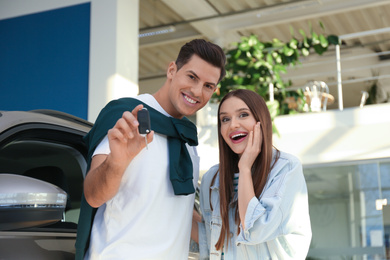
x: 343, y: 66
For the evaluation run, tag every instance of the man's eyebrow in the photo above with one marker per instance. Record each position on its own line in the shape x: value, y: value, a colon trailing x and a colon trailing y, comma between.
x: 196, y: 76
x: 193, y: 73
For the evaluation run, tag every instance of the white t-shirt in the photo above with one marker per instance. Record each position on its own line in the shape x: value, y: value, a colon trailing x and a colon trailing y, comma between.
x: 145, y: 219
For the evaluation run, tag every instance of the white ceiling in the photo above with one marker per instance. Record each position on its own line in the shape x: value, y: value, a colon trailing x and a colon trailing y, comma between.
x: 225, y: 21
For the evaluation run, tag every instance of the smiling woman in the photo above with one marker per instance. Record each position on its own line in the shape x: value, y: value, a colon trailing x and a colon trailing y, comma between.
x: 237, y: 122
x: 266, y: 210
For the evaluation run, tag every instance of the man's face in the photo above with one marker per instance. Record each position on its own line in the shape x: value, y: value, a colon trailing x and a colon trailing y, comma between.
x: 191, y: 87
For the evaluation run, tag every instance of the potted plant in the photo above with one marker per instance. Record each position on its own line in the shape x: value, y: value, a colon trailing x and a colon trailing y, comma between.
x: 257, y: 65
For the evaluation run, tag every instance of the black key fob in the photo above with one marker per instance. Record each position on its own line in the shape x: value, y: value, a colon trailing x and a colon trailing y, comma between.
x: 144, y: 121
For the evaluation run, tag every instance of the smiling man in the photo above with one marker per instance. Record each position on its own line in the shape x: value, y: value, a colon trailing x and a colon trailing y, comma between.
x: 138, y: 202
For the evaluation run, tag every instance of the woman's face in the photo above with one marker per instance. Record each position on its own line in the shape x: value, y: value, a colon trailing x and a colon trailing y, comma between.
x: 236, y: 123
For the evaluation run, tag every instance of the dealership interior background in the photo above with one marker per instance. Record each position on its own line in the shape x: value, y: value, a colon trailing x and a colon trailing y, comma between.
x: 75, y: 56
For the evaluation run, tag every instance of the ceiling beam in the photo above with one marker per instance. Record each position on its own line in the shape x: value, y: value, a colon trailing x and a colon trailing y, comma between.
x: 293, y: 11
x: 196, y: 13
x: 182, y: 32
x: 217, y: 27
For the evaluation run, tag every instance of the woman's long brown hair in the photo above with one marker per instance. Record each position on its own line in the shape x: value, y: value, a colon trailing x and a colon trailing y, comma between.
x: 228, y: 160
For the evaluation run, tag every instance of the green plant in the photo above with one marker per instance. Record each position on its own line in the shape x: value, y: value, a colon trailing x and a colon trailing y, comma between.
x: 256, y: 65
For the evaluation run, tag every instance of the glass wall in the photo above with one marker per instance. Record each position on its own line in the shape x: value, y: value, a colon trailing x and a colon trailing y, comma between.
x: 348, y: 216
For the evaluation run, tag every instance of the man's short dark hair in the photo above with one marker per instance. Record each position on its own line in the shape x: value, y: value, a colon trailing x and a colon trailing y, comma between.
x: 207, y: 51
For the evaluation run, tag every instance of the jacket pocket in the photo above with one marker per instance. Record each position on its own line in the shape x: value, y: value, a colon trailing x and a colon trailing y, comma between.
x: 216, y: 223
x: 215, y: 226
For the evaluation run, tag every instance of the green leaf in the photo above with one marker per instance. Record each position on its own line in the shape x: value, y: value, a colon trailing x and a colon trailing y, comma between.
x: 315, y: 38
x: 319, y: 49
x: 302, y: 32
x: 293, y: 44
x: 241, y: 62
x: 262, y: 79
x: 238, y: 80
x: 276, y: 43
x: 305, y: 52
x: 321, y: 25
x: 237, y: 54
x: 255, y: 77
x: 323, y: 41
x: 280, y: 68
x: 306, y: 43
x: 287, y: 51
x: 243, y: 39
x: 244, y: 46
x: 258, y: 54
x: 261, y: 46
x: 253, y: 40
x: 257, y: 64
x: 333, y: 39
x: 270, y: 60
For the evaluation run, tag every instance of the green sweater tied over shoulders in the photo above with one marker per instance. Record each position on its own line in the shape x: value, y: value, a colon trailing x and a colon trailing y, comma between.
x: 178, y: 131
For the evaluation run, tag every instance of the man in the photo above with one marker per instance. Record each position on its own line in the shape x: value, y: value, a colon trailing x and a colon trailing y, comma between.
x: 144, y: 195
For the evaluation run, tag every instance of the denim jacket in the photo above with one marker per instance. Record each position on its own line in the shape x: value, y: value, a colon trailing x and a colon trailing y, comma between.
x: 277, y: 224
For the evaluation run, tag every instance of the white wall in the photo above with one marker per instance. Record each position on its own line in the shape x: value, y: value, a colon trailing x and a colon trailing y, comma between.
x: 114, y: 52
x: 336, y: 136
x: 316, y: 138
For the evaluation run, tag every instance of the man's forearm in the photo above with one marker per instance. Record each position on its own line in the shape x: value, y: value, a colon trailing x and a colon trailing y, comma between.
x: 103, y: 180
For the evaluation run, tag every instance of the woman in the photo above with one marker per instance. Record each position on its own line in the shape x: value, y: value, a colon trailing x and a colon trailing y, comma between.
x: 254, y: 204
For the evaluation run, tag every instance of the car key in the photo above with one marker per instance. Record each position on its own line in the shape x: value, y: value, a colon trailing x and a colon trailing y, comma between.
x: 144, y: 123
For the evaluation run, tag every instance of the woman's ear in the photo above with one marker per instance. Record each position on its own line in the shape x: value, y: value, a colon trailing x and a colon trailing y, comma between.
x: 171, y: 69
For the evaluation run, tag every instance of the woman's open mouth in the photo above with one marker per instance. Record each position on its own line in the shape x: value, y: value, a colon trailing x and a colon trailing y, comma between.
x: 239, y: 137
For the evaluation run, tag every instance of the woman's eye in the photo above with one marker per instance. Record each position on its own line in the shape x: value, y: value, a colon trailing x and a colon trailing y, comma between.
x: 244, y: 114
x: 224, y: 119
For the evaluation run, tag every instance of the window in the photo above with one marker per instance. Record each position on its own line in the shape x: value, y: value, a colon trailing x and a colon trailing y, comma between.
x: 345, y: 221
